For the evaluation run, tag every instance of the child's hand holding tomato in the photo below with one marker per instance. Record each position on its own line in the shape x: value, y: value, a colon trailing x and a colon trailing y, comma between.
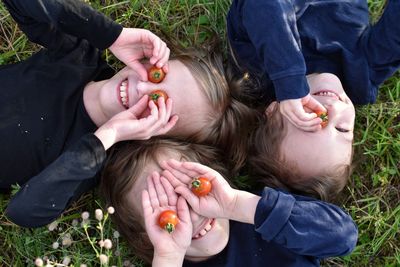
x: 127, y: 125
x: 156, y: 200
x: 218, y: 203
x: 294, y: 111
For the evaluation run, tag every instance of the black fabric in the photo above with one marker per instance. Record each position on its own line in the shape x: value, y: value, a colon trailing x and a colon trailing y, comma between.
x: 42, y: 113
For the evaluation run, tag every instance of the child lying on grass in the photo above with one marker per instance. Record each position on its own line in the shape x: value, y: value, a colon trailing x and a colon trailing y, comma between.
x: 228, y: 227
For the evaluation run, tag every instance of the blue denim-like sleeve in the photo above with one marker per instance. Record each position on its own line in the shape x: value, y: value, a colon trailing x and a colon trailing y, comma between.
x: 305, y: 225
x: 271, y: 28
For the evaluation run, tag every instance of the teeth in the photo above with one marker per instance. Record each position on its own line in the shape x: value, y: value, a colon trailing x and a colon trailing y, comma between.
x: 124, y: 94
x: 208, y: 227
x: 203, y: 232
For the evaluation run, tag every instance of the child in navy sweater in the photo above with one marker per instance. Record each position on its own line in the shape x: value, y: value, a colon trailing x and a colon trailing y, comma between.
x: 307, y: 52
x: 228, y: 227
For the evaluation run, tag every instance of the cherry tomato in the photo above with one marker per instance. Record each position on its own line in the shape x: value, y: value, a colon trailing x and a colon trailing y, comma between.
x: 156, y: 75
x: 324, y: 117
x: 157, y: 94
x: 201, y: 186
x: 167, y: 220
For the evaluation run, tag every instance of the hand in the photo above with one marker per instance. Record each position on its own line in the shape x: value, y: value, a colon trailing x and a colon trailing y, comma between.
x: 132, y: 45
x: 158, y: 197
x: 219, y: 203
x: 293, y: 110
x: 127, y: 125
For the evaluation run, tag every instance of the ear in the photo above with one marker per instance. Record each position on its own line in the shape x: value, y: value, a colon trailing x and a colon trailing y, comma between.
x: 271, y: 108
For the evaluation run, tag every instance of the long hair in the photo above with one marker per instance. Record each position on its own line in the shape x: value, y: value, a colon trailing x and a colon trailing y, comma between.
x: 126, y: 163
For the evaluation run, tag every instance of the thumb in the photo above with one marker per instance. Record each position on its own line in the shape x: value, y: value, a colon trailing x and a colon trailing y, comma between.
x: 138, y: 67
x: 185, y: 192
x: 314, y: 104
x: 140, y: 106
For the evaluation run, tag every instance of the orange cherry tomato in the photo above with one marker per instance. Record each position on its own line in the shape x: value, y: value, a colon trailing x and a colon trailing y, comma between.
x: 324, y: 117
x: 168, y: 220
x: 201, y: 186
x: 156, y: 75
x: 155, y: 95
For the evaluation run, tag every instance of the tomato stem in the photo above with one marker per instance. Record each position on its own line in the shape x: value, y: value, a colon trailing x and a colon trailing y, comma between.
x: 169, y: 227
x: 196, y: 183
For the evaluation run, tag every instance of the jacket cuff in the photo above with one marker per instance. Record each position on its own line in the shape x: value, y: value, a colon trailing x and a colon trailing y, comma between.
x: 273, y: 212
x: 291, y: 87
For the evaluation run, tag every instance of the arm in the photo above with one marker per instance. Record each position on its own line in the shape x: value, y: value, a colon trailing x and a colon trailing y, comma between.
x: 47, y: 21
x: 44, y: 197
x: 303, y: 225
x: 272, y: 30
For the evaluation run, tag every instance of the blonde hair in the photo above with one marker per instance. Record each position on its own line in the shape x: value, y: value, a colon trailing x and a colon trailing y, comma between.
x: 126, y: 163
x: 230, y: 121
x: 268, y: 166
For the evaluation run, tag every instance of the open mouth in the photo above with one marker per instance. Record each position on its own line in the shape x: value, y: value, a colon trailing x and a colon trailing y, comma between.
x: 123, y: 94
x: 207, y: 226
x: 327, y: 93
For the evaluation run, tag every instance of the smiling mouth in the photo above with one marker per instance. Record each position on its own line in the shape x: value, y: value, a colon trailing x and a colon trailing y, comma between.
x: 206, y: 228
x: 123, y: 93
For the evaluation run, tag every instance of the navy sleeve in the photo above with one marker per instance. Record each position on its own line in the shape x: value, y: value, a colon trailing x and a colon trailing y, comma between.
x: 382, y: 44
x: 44, y: 197
x: 271, y: 27
x: 304, y: 225
x: 46, y: 21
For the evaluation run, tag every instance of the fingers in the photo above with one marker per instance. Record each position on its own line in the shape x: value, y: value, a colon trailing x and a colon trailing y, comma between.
x: 140, y: 106
x: 170, y: 191
x: 294, y: 111
x: 152, y: 193
x: 314, y: 104
x: 183, y: 210
x: 188, y: 195
x: 146, y: 204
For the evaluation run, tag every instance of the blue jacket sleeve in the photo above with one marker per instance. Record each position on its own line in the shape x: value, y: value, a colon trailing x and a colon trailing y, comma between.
x: 304, y: 225
x: 44, y: 197
x: 271, y: 28
x: 47, y: 21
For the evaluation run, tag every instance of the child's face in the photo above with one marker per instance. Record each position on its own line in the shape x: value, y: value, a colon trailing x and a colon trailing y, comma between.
x: 210, y: 235
x: 316, y: 152
x: 189, y: 101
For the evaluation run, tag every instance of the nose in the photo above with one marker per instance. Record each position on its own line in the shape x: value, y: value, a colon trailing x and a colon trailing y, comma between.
x: 341, y: 115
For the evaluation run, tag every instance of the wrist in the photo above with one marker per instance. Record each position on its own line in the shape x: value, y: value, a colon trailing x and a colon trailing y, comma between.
x: 107, y: 136
x: 245, y: 207
x: 168, y: 260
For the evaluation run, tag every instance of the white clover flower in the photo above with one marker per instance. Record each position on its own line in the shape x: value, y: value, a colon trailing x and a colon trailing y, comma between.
x: 74, y: 222
x: 110, y: 210
x: 98, y: 214
x: 107, y: 244
x: 103, y: 259
x: 66, y: 261
x: 39, y: 262
x: 52, y: 226
x: 116, y: 234
x: 55, y: 245
x: 85, y: 215
x: 83, y: 265
x: 66, y: 241
x: 101, y: 243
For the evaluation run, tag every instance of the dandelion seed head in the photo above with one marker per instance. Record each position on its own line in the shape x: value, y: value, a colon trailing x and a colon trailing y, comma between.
x: 126, y: 263
x: 117, y: 253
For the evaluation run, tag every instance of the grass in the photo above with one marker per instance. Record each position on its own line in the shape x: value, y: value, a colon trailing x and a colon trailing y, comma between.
x: 372, y: 196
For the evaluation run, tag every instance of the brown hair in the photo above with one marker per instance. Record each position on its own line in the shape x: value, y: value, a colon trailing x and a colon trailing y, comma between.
x: 268, y: 167
x: 230, y: 122
x: 126, y: 162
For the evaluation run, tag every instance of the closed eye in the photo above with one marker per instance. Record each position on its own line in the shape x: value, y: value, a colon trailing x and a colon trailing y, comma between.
x: 342, y: 130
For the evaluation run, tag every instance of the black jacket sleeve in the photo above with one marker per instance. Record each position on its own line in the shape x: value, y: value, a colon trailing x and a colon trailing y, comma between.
x: 305, y: 225
x: 47, y: 21
x: 44, y: 197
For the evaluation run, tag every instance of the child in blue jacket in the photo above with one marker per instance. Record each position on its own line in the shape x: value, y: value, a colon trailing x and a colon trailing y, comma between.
x: 308, y: 54
x: 227, y: 227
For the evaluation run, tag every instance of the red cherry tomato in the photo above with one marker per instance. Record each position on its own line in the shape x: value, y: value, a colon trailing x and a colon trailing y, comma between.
x: 155, y: 95
x: 156, y: 75
x: 324, y: 117
x: 167, y: 220
x: 201, y: 186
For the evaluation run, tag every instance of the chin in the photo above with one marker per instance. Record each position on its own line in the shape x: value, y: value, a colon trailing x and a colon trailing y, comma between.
x: 211, y: 244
